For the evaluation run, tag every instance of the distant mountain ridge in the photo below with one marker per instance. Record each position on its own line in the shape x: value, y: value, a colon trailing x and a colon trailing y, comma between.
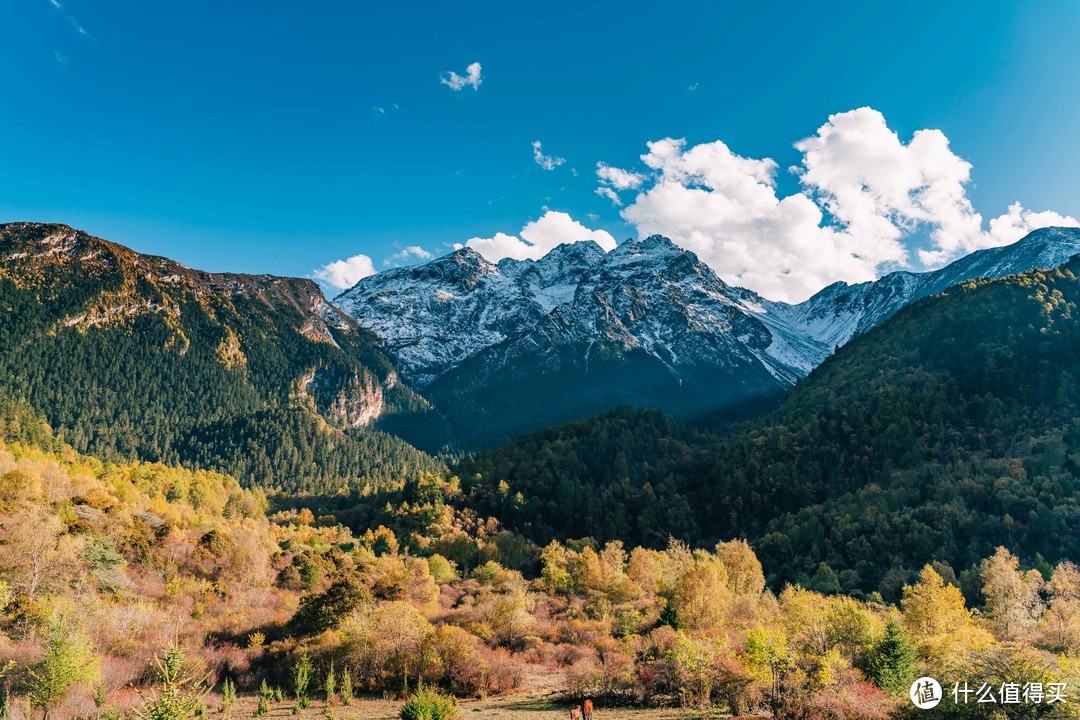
x: 507, y: 347
x: 138, y: 356
x: 841, y: 311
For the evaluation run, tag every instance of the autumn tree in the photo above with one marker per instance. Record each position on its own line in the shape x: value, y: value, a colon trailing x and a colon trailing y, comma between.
x: 804, y: 620
x: 745, y: 575
x: 1060, y: 625
x: 1012, y: 595
x: 507, y: 607
x: 556, y: 569
x: 937, y: 620
x: 771, y: 660
x: 701, y: 593
x: 35, y: 552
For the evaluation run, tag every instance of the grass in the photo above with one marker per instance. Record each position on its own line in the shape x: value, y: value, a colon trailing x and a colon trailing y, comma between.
x: 526, y: 705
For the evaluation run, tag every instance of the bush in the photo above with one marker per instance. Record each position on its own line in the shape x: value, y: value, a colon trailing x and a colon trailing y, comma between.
x: 323, y: 611
x: 428, y: 704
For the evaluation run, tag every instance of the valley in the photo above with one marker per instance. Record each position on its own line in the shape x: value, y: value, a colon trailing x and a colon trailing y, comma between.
x: 224, y: 470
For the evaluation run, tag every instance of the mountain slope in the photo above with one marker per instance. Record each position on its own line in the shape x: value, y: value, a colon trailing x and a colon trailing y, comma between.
x: 508, y: 347
x: 134, y: 356
x: 952, y: 428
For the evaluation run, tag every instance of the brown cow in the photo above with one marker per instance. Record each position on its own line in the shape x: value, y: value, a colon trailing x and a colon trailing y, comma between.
x: 588, y: 709
x: 575, y: 713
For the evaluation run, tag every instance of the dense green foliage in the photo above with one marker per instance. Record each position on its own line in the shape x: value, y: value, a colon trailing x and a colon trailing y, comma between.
x: 953, y: 428
x: 130, y: 357
x: 620, y: 475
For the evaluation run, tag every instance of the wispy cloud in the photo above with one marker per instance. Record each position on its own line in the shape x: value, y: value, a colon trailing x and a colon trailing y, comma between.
x: 61, y: 58
x: 60, y: 8
x: 457, y: 83
x: 610, y: 195
x: 412, y: 252
x: 385, y: 110
x: 613, y: 180
x: 548, y: 162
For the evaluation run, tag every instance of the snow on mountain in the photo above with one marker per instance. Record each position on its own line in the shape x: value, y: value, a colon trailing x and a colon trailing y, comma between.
x: 647, y: 314
x: 648, y: 295
x: 839, y: 312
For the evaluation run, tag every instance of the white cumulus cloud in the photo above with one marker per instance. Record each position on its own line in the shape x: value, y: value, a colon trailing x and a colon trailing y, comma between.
x: 865, y: 192
x: 343, y: 274
x: 456, y: 82
x: 1018, y: 222
x: 548, y: 162
x: 879, y: 189
x: 539, y: 237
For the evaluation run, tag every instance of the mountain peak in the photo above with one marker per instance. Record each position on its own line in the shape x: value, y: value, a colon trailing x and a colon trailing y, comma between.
x: 587, y: 248
x: 466, y: 254
x: 1057, y: 235
x: 651, y: 245
x: 658, y: 241
x: 575, y: 254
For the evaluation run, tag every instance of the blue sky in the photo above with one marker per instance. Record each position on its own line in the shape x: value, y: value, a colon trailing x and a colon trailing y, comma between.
x: 279, y: 136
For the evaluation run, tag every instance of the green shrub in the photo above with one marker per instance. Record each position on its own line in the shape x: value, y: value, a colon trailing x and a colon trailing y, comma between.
x: 428, y: 704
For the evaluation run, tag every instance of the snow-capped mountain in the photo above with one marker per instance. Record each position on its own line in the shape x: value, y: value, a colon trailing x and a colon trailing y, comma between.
x: 510, y: 346
x: 841, y: 311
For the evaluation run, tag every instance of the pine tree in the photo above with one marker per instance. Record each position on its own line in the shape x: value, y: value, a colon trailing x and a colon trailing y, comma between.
x: 68, y: 661
x: 181, y: 693
x: 228, y: 696
x: 329, y: 685
x: 346, y: 686
x: 892, y: 662
x: 301, y: 674
x: 266, y: 694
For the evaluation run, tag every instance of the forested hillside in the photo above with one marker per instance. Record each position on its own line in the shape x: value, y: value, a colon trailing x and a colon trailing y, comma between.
x: 953, y: 428
x: 621, y: 475
x: 138, y: 357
